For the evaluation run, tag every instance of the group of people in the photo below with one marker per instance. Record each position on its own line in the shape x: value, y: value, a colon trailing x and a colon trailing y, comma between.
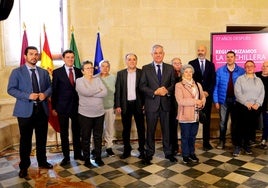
x: 172, y: 93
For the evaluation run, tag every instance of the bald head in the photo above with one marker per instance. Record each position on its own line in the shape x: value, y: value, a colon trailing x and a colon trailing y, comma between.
x: 201, y: 52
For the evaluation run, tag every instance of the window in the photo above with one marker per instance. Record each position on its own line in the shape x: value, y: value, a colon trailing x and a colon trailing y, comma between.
x: 36, y: 14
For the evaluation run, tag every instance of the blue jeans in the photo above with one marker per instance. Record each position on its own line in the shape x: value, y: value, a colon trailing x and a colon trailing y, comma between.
x: 226, y: 109
x: 188, y: 137
x: 265, y: 126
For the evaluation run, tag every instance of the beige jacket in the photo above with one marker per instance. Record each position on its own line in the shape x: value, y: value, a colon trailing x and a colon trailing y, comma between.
x: 186, y: 100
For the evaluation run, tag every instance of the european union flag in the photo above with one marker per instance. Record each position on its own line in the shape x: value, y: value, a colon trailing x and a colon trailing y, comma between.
x: 98, y: 55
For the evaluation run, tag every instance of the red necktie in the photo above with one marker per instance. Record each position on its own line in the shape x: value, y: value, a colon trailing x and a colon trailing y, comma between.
x: 71, y: 76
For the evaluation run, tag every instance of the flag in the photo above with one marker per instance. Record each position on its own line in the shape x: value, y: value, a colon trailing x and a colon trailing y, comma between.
x: 47, y: 63
x: 23, y: 47
x: 46, y: 57
x: 98, y: 55
x: 73, y: 47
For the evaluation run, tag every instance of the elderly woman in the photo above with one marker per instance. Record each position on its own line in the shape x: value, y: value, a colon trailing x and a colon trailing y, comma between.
x: 190, y: 97
x: 91, y: 92
x: 249, y: 93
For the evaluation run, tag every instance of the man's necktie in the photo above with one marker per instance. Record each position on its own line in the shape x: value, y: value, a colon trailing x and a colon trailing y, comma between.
x: 202, y: 67
x: 159, y: 75
x: 71, y: 76
x: 34, y: 82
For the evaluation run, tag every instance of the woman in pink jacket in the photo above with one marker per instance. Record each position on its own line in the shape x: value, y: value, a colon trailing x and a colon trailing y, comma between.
x: 191, y: 99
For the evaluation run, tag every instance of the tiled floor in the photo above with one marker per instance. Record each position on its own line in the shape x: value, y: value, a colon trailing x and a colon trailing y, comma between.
x: 217, y: 168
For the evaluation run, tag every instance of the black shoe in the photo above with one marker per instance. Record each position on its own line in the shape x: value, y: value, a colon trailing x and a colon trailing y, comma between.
x: 110, y: 152
x: 186, y: 160
x: 141, y: 156
x: 171, y: 158
x: 79, y: 157
x: 23, y: 173
x: 46, y: 165
x: 99, y: 162
x: 125, y: 155
x: 88, y: 163
x: 193, y: 158
x: 207, y: 147
x: 64, y: 162
x: 146, y: 161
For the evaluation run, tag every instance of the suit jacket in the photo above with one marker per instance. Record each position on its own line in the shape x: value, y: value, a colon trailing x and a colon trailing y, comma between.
x: 20, y: 87
x: 149, y: 83
x: 64, y: 96
x: 121, y: 91
x: 207, y: 80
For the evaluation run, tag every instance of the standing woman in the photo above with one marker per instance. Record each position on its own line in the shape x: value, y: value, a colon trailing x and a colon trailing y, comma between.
x: 190, y: 97
x: 91, y: 92
x: 249, y: 93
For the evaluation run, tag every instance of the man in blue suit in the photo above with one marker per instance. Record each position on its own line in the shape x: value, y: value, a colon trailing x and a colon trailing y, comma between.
x: 157, y: 84
x: 31, y: 86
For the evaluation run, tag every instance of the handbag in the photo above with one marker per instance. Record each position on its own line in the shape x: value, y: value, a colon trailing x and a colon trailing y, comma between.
x: 202, y: 118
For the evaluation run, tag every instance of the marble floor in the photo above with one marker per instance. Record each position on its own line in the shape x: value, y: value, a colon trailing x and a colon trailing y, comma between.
x: 216, y: 168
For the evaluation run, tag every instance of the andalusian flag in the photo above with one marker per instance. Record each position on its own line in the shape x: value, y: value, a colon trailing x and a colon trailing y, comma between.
x: 24, y: 45
x: 46, y: 57
x: 73, y: 47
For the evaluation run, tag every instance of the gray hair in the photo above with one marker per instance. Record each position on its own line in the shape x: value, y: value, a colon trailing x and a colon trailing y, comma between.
x: 184, y: 67
x: 104, y: 61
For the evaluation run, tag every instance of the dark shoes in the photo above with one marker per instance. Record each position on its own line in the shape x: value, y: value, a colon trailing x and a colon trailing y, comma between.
x: 125, y: 155
x: 99, y: 162
x: 186, y: 160
x: 193, y: 158
x: 88, y: 163
x: 147, y: 160
x: 64, y: 162
x: 110, y: 152
x: 23, y: 173
x: 171, y: 158
x: 46, y: 165
x: 79, y: 157
x: 207, y: 147
x: 142, y: 155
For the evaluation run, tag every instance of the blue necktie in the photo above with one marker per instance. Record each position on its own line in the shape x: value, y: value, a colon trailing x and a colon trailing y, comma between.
x: 159, y: 75
x: 34, y: 82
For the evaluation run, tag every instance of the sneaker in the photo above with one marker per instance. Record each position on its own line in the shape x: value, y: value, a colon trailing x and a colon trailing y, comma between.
x: 220, y: 145
x: 193, y: 158
x: 186, y: 160
x: 248, y: 151
x: 263, y: 146
x: 237, y: 151
x: 110, y: 152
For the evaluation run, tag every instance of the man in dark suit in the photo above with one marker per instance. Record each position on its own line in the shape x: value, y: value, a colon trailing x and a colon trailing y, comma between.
x: 157, y: 83
x: 31, y: 86
x: 65, y: 105
x: 129, y: 101
x: 205, y: 74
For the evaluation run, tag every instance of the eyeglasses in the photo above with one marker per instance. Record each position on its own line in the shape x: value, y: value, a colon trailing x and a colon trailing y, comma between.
x: 89, y: 68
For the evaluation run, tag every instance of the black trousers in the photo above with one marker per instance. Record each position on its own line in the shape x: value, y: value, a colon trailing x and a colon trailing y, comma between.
x: 246, y: 121
x: 89, y: 125
x: 38, y: 122
x: 151, y: 120
x: 206, y: 125
x: 64, y: 134
x: 126, y: 121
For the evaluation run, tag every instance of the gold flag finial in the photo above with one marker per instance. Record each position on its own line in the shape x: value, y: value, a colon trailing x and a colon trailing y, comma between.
x: 24, y: 26
x: 72, y: 28
x: 44, y: 26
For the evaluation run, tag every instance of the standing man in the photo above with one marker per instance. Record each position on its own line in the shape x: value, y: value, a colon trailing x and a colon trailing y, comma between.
x: 157, y: 83
x: 176, y: 63
x: 65, y: 105
x: 129, y: 102
x: 204, y: 73
x: 31, y: 86
x: 263, y: 75
x: 223, y: 95
x: 108, y: 103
